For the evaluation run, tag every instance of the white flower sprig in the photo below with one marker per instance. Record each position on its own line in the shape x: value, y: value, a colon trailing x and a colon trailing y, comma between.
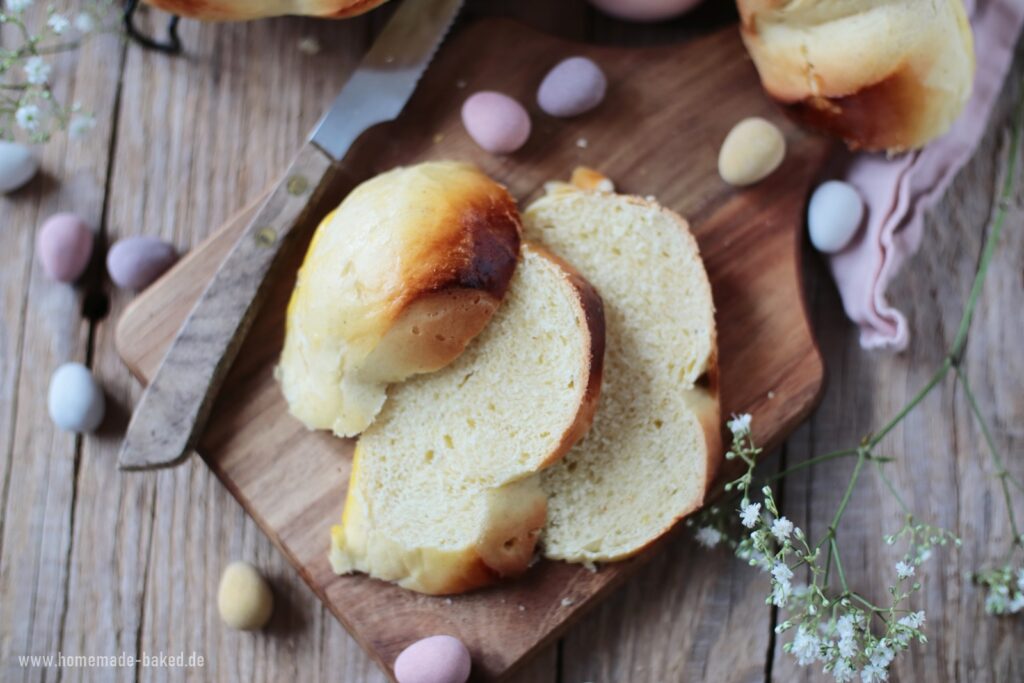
x: 832, y: 625
x: 29, y: 109
x: 1005, y: 589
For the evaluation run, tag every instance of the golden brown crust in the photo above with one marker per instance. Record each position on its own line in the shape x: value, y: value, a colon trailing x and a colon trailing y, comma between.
x: 591, y: 317
x: 516, y: 514
x: 238, y: 10
x: 396, y: 282
x: 880, y: 74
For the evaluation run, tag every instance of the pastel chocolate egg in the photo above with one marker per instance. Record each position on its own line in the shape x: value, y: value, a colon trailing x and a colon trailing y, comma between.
x: 574, y: 86
x: 64, y: 246
x: 437, y: 659
x: 496, y: 122
x: 244, y: 599
x: 751, y: 151
x: 645, y: 10
x: 18, y: 165
x: 75, y: 401
x: 135, y: 262
x: 834, y: 215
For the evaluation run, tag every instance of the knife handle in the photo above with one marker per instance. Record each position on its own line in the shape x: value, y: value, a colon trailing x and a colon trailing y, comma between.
x: 173, y: 410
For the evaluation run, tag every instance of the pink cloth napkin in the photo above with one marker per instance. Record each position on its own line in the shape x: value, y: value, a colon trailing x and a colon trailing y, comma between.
x: 899, y: 191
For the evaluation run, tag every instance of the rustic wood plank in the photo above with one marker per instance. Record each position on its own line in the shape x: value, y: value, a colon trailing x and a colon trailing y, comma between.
x: 42, y: 327
x: 942, y: 467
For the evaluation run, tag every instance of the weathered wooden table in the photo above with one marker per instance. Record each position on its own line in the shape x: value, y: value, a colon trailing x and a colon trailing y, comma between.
x: 96, y: 562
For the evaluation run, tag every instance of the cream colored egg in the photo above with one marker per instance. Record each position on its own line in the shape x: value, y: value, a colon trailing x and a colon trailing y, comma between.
x: 244, y: 599
x: 751, y: 151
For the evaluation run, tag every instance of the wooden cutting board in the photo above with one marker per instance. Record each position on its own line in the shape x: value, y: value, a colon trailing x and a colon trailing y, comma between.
x: 658, y: 133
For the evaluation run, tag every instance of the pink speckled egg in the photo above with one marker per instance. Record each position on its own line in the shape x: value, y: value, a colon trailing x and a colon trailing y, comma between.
x: 496, y: 122
x: 573, y: 87
x: 135, y: 262
x: 64, y: 246
x: 437, y: 659
x: 645, y: 10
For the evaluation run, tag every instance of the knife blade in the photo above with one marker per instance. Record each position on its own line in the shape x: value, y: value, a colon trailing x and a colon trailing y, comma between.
x: 172, y: 413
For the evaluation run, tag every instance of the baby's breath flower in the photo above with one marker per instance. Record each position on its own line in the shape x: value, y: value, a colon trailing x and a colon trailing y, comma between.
x: 914, y: 620
x: 750, y: 513
x: 781, y: 529
x: 739, y: 425
x: 81, y: 125
x: 28, y: 116
x: 37, y: 71
x: 873, y: 673
x: 709, y: 536
x: 805, y: 646
x: 18, y: 5
x: 904, y: 570
x: 782, y: 573
x: 58, y: 23
x: 843, y: 671
x: 309, y: 46
x: 84, y: 22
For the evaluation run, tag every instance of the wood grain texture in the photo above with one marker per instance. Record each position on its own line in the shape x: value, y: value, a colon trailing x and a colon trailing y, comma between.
x: 42, y: 326
x: 197, y: 138
x: 292, y: 481
x: 173, y: 410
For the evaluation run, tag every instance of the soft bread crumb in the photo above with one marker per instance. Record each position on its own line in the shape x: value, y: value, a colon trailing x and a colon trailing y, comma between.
x: 444, y: 492
x: 648, y: 458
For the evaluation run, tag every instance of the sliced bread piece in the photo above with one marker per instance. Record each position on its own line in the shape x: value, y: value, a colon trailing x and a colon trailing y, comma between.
x: 444, y: 496
x: 655, y: 443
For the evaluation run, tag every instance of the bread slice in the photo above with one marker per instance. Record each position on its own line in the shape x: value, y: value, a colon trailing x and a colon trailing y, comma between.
x: 396, y: 282
x: 656, y: 442
x: 444, y: 496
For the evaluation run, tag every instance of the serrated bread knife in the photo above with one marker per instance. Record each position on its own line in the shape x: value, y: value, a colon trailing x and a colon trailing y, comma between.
x: 173, y: 410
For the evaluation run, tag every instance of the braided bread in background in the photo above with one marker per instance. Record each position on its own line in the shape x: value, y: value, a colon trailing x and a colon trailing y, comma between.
x: 880, y: 74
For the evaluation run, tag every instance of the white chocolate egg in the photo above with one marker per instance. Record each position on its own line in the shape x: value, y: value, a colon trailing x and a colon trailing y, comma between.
x: 75, y: 401
x: 18, y: 165
x: 751, y: 151
x: 834, y: 215
x: 244, y: 599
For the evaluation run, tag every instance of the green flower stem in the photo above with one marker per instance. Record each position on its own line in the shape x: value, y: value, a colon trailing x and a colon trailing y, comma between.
x: 1006, y: 196
x: 817, y: 460
x: 833, y: 551
x: 997, y: 459
x: 939, y: 375
x: 892, y: 489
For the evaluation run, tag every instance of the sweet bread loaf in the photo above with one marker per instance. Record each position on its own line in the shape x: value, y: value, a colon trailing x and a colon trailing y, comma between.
x: 880, y: 74
x: 396, y: 282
